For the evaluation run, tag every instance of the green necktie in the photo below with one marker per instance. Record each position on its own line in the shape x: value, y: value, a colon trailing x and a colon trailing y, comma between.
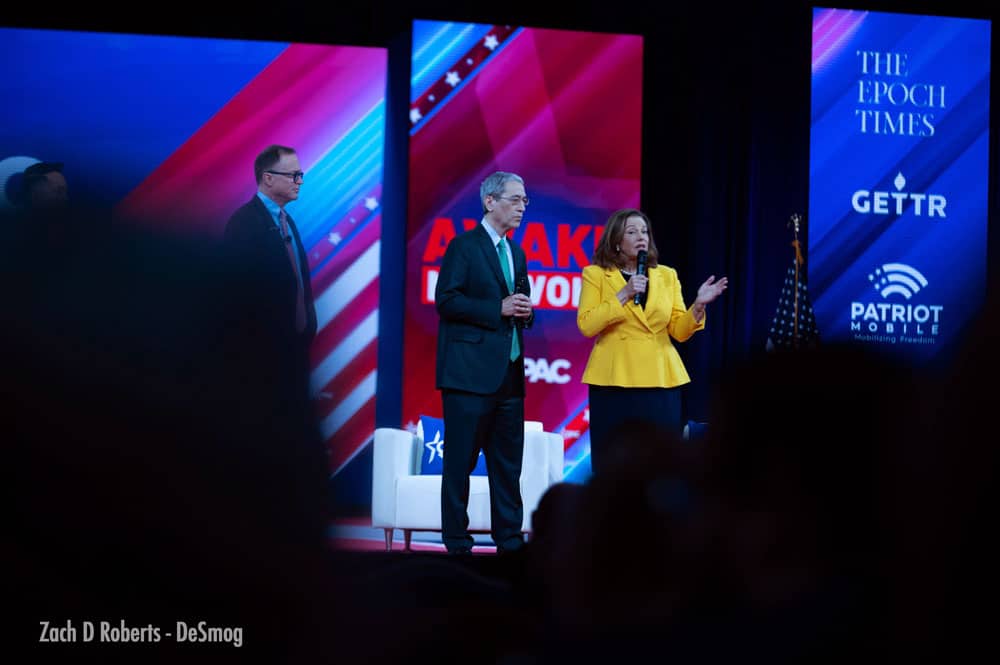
x: 515, y: 347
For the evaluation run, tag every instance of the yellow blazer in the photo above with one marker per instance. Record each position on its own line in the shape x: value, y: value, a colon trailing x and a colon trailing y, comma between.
x: 633, y: 348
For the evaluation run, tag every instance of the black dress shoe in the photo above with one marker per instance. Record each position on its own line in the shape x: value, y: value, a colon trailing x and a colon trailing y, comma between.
x: 510, y: 553
x: 510, y: 546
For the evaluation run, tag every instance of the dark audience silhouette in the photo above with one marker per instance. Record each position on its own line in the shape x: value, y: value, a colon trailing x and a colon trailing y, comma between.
x: 783, y: 534
x: 948, y: 577
x: 157, y: 477
x: 163, y: 468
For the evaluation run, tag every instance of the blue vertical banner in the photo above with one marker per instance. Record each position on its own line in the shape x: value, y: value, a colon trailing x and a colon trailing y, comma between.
x: 899, y: 173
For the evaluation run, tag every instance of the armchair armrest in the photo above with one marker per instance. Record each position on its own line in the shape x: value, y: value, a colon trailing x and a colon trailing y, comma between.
x: 395, y: 454
x: 535, y: 470
x: 557, y: 457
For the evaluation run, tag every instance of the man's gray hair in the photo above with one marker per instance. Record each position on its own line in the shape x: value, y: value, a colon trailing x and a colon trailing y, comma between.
x: 495, y: 185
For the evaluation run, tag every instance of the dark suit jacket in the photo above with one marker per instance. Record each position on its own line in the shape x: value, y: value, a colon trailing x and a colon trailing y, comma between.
x: 267, y: 362
x: 262, y: 270
x: 473, y: 338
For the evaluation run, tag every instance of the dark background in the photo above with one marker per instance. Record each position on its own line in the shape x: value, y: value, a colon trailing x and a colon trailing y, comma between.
x: 726, y: 105
x: 101, y: 532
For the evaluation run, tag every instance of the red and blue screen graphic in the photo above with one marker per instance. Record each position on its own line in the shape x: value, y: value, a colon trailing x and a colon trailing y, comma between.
x: 562, y: 109
x: 165, y: 129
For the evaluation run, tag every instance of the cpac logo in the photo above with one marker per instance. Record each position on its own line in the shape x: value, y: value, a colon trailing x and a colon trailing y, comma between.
x: 435, y: 449
x: 877, y: 203
x: 435, y: 446
x: 539, y: 369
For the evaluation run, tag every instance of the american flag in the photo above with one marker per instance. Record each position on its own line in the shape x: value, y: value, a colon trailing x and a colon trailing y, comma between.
x: 794, y: 323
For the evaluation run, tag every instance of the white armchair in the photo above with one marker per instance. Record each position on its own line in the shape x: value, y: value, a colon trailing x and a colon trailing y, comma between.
x: 404, y: 499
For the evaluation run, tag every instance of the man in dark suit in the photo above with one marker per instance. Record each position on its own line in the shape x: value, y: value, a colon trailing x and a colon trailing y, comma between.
x: 268, y: 251
x: 482, y: 298
x: 270, y: 323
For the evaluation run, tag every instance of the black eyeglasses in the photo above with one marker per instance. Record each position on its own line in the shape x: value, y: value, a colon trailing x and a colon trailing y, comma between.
x: 516, y: 199
x: 294, y: 175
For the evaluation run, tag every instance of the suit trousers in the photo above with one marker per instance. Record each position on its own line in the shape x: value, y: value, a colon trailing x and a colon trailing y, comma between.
x: 492, y: 423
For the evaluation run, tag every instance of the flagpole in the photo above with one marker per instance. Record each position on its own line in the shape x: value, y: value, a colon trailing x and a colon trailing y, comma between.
x: 794, y: 223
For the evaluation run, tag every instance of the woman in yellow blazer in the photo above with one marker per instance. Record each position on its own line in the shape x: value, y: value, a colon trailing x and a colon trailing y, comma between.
x: 634, y: 370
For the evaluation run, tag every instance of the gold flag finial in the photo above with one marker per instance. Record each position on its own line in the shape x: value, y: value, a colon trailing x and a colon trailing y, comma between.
x: 795, y: 221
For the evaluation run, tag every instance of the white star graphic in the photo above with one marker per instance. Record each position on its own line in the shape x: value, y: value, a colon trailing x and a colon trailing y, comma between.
x: 432, y: 98
x: 370, y: 202
x: 334, y: 238
x: 468, y: 61
x: 415, y: 115
x: 452, y: 79
x: 435, y: 446
x: 586, y: 412
x: 491, y: 42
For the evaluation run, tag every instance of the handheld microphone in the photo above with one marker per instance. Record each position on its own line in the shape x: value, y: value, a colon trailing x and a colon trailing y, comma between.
x: 640, y: 269
x: 522, y: 285
x: 522, y: 288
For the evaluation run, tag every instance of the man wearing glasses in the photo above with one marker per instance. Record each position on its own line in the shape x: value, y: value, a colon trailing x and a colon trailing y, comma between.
x: 269, y: 248
x: 271, y: 323
x: 483, y: 302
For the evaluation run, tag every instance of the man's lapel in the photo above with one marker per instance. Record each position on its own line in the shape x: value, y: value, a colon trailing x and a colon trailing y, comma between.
x: 492, y: 256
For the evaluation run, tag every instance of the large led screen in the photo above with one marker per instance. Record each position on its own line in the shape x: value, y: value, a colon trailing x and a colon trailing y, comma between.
x: 563, y: 110
x: 899, y: 159
x: 166, y: 129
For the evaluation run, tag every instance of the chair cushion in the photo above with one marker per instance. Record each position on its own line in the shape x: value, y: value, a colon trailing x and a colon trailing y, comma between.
x: 418, y: 503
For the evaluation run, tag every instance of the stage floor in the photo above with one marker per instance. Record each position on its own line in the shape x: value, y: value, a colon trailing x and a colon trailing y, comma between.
x: 357, y: 534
